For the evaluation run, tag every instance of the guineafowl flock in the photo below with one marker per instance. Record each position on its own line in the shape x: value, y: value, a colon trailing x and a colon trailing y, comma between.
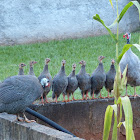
x: 67, y: 85
x: 20, y: 91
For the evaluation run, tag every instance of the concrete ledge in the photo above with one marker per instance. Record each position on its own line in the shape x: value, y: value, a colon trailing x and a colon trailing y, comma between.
x: 14, y: 130
x: 85, y: 119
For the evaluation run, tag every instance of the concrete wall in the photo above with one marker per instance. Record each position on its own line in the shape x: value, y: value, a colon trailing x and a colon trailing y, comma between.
x: 13, y: 130
x: 26, y: 21
x: 85, y: 119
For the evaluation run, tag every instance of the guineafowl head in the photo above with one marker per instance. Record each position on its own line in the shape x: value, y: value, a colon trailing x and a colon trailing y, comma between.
x: 32, y: 63
x: 45, y: 82
x: 47, y: 60
x: 101, y: 58
x: 63, y: 62
x: 21, y: 65
x: 112, y: 61
x: 82, y: 62
x: 128, y: 36
x: 74, y: 66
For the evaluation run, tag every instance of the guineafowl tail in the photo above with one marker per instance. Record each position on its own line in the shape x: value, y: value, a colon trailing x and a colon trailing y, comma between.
x: 53, y: 95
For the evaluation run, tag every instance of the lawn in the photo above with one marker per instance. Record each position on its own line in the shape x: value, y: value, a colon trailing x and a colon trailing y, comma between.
x: 72, y: 50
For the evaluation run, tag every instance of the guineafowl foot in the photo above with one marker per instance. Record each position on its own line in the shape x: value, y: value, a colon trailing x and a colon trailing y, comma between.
x: 73, y: 98
x: 101, y: 96
x: 68, y: 100
x: 46, y: 101
x: 108, y: 95
x: 94, y: 98
x: 20, y: 120
x: 87, y: 97
x: 42, y: 102
x: 27, y: 120
x: 136, y: 95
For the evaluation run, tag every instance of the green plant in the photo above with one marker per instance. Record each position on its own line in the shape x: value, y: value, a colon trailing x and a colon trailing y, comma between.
x: 119, y: 84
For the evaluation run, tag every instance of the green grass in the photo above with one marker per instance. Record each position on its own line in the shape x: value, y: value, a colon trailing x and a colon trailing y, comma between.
x: 72, y: 50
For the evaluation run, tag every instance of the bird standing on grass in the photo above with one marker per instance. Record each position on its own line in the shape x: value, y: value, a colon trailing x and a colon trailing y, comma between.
x: 110, y: 76
x: 84, y: 80
x: 133, y: 70
x: 31, y: 71
x: 98, y: 79
x: 19, y: 92
x: 46, y: 74
x: 72, y: 83
x: 60, y: 83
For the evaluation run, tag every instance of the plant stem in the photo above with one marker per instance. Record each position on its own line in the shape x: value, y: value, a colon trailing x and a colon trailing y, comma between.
x: 118, y: 105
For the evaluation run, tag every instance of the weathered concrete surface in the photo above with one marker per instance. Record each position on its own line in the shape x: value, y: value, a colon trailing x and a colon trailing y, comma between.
x: 85, y: 119
x: 26, y: 21
x: 13, y: 130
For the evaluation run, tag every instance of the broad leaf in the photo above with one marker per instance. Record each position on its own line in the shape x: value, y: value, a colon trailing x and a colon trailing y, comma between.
x: 114, y: 133
x: 97, y: 17
x: 124, y: 11
x: 133, y: 137
x: 124, y: 79
x: 107, y: 122
x: 125, y: 48
x: 126, y: 8
x: 128, y: 116
x: 137, y: 46
x: 114, y: 108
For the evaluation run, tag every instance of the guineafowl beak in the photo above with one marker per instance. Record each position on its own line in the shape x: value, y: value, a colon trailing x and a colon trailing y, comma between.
x: 35, y: 62
x: 47, y: 85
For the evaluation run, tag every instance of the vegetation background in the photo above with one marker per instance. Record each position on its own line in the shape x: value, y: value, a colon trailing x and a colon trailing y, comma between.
x: 72, y: 50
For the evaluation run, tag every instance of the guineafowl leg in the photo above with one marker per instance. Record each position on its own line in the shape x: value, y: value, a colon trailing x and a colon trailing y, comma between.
x: 126, y: 94
x: 68, y: 97
x: 73, y: 97
x: 26, y: 120
x: 101, y: 96
x: 108, y: 95
x: 135, y: 95
x: 42, y: 100
x: 83, y: 97
x: 93, y: 96
x: 64, y: 98
x: 87, y: 95
x: 55, y: 98
x: 46, y: 100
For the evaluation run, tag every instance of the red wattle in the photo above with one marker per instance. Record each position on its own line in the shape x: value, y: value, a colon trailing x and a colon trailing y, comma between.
x: 123, y: 36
